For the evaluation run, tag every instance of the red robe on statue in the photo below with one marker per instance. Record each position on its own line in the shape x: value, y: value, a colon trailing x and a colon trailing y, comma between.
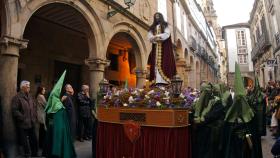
x: 168, y: 65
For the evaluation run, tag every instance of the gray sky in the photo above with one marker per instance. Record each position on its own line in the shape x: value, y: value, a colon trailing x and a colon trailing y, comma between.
x: 233, y: 11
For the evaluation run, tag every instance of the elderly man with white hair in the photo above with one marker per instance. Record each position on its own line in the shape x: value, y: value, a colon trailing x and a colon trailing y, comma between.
x: 68, y: 102
x: 25, y: 113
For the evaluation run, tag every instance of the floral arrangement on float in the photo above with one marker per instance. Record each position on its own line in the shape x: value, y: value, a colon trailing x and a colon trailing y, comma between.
x: 160, y: 97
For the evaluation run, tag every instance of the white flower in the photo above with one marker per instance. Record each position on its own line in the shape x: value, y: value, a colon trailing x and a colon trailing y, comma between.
x: 162, y: 88
x: 182, y: 95
x: 125, y: 104
x: 147, y: 97
x: 110, y: 97
x: 141, y: 90
x: 166, y: 93
x: 130, y: 99
x: 151, y: 92
x: 134, y: 92
x: 106, y: 97
x: 158, y: 103
x: 117, y: 93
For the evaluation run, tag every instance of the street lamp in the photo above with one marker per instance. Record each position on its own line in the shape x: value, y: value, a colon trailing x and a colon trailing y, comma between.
x: 104, y: 86
x: 176, y: 85
x: 129, y: 3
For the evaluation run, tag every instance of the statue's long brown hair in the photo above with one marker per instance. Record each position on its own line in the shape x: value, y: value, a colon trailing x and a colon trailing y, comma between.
x: 162, y: 23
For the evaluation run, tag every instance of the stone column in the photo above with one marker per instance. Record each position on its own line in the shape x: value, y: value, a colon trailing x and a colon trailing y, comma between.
x: 96, y: 73
x: 140, y: 78
x: 8, y: 81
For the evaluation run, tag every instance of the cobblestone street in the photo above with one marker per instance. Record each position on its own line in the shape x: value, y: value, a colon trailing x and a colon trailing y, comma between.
x: 267, y: 143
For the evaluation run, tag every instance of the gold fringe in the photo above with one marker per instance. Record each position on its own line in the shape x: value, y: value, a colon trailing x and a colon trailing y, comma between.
x: 159, y: 57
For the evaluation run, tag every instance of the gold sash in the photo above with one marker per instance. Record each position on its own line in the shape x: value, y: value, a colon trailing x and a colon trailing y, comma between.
x: 159, y: 55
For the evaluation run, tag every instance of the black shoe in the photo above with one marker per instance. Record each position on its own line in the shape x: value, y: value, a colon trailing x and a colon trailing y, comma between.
x: 86, y: 138
x: 81, y: 140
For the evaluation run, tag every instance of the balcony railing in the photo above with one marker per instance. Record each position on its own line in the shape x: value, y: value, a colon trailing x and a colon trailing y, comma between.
x: 198, y: 50
x: 260, y: 47
x: 255, y: 51
x: 193, y: 44
x: 204, y: 56
x: 277, y: 39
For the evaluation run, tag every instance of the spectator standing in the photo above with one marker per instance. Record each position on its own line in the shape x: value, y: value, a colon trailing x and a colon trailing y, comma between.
x: 25, y: 114
x: 84, y: 113
x: 68, y: 102
x: 41, y: 105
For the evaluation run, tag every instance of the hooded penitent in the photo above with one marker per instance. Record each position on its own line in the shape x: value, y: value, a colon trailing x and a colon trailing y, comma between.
x: 257, y: 102
x: 59, y: 137
x: 238, y: 133
x: 209, y: 116
x: 240, y: 111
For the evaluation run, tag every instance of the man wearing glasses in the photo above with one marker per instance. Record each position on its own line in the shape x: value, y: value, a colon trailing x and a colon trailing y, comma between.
x: 25, y: 113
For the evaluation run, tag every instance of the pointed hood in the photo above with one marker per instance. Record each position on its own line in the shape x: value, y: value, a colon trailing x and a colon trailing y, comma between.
x: 257, y: 89
x: 240, y: 111
x: 54, y: 103
x: 238, y: 82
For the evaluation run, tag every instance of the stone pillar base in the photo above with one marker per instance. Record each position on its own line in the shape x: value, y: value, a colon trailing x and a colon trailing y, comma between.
x: 96, y: 68
x: 141, y: 78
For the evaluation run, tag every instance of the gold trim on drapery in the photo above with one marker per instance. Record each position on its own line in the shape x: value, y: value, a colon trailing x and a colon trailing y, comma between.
x: 159, y: 55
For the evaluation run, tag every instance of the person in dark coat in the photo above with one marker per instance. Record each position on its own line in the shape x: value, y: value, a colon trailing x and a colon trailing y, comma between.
x: 84, y: 113
x: 68, y: 102
x: 276, y: 148
x: 24, y: 111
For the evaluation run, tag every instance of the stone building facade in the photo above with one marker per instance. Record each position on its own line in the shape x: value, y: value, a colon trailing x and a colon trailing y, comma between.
x: 196, y: 46
x: 238, y: 47
x: 273, y: 17
x: 212, y: 19
x: 42, y: 38
x: 262, y: 45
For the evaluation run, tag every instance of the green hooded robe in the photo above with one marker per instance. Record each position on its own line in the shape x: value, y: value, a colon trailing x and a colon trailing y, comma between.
x: 59, y: 139
x: 209, y: 117
x: 238, y: 134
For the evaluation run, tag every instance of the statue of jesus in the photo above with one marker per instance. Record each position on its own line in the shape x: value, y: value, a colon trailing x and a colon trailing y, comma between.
x: 161, y: 59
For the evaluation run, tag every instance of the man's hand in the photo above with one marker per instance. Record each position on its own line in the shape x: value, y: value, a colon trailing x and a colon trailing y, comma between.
x: 87, y: 94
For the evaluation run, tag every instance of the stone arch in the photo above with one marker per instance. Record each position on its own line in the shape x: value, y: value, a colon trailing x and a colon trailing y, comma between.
x: 97, y: 33
x: 135, y: 34
x: 191, y: 61
x: 186, y: 53
x: 248, y: 80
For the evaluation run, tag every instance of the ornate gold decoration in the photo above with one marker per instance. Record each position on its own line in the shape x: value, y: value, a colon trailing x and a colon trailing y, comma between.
x: 159, y: 55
